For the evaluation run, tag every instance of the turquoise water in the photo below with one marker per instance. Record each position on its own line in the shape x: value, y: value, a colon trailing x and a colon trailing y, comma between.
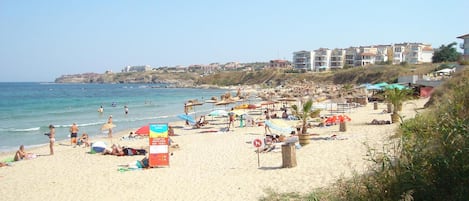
x: 28, y: 108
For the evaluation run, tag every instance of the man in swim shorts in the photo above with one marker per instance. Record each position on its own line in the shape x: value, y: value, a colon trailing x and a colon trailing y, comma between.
x: 73, y: 134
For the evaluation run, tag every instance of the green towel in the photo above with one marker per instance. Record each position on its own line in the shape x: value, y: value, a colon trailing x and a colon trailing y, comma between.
x: 9, y: 160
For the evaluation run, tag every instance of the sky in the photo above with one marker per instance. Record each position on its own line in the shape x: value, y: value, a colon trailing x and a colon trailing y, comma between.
x: 42, y: 40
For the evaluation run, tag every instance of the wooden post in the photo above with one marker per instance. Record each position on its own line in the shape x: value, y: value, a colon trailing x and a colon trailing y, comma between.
x: 390, y: 108
x: 375, y: 105
x: 342, y: 126
x: 288, y: 155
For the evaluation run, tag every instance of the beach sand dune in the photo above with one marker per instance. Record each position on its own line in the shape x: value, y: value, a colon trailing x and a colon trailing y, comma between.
x: 207, y: 166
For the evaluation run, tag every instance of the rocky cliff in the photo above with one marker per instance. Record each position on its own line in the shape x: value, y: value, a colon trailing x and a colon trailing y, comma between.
x: 271, y: 77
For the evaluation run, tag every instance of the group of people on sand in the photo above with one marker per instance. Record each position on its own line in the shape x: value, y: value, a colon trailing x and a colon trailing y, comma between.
x: 82, y: 140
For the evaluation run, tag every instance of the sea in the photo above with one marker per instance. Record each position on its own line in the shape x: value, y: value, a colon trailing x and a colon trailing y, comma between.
x: 27, y: 109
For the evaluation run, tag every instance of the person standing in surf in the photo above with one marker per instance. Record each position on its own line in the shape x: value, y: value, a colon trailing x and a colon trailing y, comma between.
x: 51, y: 138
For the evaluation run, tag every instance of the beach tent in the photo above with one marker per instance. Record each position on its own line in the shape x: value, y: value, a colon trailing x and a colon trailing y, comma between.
x: 395, y: 86
x: 380, y: 85
x: 369, y: 86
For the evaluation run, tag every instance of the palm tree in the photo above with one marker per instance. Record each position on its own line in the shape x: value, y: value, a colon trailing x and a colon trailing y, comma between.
x: 305, y: 113
x: 396, y: 97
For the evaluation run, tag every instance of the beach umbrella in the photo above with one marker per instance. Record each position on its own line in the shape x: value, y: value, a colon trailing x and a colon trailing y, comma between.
x: 237, y: 112
x: 224, y: 102
x: 217, y: 113
x: 107, y: 126
x: 186, y: 117
x: 192, y: 104
x: 287, y: 99
x: 371, y: 87
x: 395, y: 86
x: 381, y: 84
x: 267, y: 103
x: 144, y: 130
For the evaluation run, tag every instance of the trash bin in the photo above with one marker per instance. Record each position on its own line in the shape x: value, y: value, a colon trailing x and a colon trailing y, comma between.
x: 288, y: 155
x: 241, y: 122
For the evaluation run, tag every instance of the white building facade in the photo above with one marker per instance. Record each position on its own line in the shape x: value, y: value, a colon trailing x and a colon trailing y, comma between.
x: 303, y: 60
x: 324, y: 59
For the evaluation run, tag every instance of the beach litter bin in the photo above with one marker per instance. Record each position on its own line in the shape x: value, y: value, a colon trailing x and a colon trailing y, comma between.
x: 288, y: 155
x: 241, y: 122
x: 375, y: 105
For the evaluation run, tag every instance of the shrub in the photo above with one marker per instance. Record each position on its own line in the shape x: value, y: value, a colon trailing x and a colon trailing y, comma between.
x: 430, y: 160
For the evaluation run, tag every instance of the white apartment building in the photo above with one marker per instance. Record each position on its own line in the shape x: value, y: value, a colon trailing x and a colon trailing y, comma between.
x: 382, y: 53
x: 412, y: 53
x: 303, y: 60
x: 324, y: 59
x: 367, y: 55
x: 337, y: 58
x: 351, y: 56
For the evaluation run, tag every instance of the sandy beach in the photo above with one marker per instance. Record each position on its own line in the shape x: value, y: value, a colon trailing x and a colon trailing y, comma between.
x: 207, y: 166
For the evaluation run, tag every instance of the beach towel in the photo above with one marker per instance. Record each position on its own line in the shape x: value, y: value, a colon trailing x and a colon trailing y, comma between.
x: 279, y: 125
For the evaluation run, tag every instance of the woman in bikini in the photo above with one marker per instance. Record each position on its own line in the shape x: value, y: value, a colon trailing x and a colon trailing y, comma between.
x: 51, y: 138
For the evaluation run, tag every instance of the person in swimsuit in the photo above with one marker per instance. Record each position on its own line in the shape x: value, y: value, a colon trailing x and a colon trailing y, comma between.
x: 73, y: 134
x: 109, y: 121
x: 267, y: 118
x: 51, y: 138
x: 126, y: 110
x: 21, y: 154
x: 84, y: 139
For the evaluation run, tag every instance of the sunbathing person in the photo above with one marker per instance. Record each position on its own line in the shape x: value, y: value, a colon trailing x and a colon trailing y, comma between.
x: 144, y: 163
x: 131, y: 151
x: 3, y: 164
x: 84, y: 139
x: 201, y: 122
x: 115, y: 150
x: 379, y: 122
x: 21, y: 154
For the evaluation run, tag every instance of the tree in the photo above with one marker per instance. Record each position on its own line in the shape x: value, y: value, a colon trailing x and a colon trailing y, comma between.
x: 304, y: 113
x: 446, y: 53
x: 396, y: 97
